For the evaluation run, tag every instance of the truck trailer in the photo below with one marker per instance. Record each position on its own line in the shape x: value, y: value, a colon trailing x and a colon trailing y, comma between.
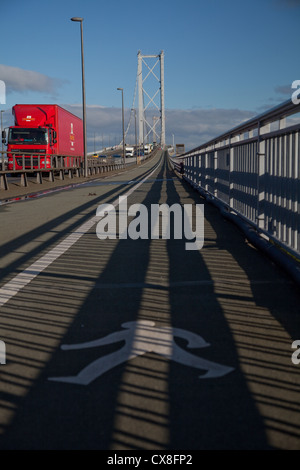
x: 40, y: 132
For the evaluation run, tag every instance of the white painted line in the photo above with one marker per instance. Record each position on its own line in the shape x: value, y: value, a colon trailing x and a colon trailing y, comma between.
x: 11, y: 288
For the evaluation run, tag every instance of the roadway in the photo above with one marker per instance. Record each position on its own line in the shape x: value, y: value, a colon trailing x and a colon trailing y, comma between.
x: 172, y: 349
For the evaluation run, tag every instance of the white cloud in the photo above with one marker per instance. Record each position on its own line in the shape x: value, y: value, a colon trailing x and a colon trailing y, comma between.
x: 191, y: 127
x: 284, y: 89
x: 20, y: 80
x: 197, y: 126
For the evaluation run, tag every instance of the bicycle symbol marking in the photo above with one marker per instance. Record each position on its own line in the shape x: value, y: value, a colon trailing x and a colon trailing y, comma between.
x: 140, y: 337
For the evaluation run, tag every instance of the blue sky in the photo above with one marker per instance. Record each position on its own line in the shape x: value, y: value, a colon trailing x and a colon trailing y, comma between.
x: 225, y: 60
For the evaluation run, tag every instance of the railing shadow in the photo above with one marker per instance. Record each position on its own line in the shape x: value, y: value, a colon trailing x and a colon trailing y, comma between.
x: 151, y: 401
x: 260, y: 305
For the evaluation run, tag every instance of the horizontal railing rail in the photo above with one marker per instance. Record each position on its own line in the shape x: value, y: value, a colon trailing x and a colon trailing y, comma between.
x: 24, y: 164
x: 254, y: 171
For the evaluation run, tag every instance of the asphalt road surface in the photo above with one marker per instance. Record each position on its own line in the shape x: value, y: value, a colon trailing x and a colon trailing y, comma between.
x: 141, y: 344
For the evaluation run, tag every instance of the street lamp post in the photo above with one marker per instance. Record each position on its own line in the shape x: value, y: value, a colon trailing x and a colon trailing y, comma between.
x: 83, y: 98
x: 2, y: 166
x: 2, y: 111
x: 135, y: 133
x: 121, y: 89
x: 143, y: 143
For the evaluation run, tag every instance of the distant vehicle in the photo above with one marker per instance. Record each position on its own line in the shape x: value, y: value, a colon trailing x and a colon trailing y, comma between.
x: 148, y: 148
x: 117, y: 156
x: 179, y: 149
x: 129, y: 151
x: 41, y: 130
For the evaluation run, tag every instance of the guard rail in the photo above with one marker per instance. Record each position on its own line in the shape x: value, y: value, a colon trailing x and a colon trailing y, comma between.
x: 253, y: 171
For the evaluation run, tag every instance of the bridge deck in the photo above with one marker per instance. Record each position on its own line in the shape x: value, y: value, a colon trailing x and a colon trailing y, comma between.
x: 143, y: 303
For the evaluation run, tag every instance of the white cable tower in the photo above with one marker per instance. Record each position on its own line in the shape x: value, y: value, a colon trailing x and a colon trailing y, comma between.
x: 145, y: 128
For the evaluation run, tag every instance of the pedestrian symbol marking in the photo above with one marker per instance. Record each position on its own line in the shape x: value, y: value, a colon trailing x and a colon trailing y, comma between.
x: 140, y: 337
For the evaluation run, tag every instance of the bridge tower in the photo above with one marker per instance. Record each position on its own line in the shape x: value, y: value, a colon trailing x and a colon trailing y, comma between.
x: 145, y: 128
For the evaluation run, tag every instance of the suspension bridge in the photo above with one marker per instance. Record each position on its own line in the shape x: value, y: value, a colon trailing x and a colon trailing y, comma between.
x: 130, y: 341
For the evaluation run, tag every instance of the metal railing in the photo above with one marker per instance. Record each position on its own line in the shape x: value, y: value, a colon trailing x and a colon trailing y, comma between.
x: 253, y: 170
x: 23, y: 165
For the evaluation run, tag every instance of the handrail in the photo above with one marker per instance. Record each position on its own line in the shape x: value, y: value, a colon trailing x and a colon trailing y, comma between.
x: 57, y: 165
x: 253, y: 171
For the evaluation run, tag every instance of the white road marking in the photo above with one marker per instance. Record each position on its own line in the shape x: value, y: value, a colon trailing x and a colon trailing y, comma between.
x: 12, y: 287
x: 140, y: 337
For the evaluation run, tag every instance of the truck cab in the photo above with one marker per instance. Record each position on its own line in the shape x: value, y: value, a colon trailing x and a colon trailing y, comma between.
x: 36, y: 144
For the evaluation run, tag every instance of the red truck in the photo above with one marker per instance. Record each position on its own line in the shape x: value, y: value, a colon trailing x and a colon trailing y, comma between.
x: 40, y: 132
